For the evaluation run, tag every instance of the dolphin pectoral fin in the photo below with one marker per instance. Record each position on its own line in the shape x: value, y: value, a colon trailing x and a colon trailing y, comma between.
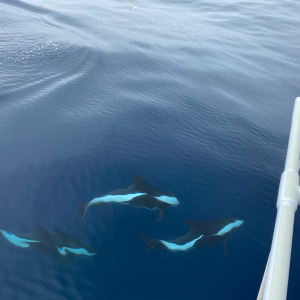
x: 161, y: 215
x: 83, y: 208
x: 226, y: 246
x: 198, y: 227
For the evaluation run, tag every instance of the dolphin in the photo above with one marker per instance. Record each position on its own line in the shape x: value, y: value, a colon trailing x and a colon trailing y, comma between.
x: 140, y: 194
x: 59, y: 243
x: 201, y: 234
x: 64, y: 245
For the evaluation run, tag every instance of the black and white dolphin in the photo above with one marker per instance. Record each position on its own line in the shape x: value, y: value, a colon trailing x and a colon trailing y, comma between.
x: 140, y: 194
x: 201, y: 234
x: 59, y: 243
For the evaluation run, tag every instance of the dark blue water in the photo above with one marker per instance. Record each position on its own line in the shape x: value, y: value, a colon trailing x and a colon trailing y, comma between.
x: 194, y: 96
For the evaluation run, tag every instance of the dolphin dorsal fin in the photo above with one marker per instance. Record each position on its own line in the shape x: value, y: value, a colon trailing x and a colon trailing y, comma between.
x: 197, y: 226
x: 140, y: 184
x: 42, y: 230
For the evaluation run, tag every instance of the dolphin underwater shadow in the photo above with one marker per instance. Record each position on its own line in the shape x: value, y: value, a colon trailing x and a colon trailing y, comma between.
x: 140, y: 194
x: 58, y: 243
x: 201, y: 234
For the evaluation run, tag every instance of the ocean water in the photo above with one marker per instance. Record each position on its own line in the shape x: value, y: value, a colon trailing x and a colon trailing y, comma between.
x: 194, y: 96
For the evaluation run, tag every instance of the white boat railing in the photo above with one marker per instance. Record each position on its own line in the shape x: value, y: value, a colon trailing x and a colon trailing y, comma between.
x: 275, y: 280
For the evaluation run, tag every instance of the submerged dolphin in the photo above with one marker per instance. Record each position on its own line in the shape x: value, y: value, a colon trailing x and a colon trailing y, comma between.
x: 201, y: 234
x: 64, y: 245
x: 140, y: 194
x: 60, y: 243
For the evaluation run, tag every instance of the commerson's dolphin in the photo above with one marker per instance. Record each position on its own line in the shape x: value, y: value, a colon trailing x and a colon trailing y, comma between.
x: 59, y: 243
x: 140, y: 194
x: 201, y: 234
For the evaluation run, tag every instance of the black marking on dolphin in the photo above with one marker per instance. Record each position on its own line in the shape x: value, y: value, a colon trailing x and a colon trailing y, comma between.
x: 201, y: 234
x: 140, y: 194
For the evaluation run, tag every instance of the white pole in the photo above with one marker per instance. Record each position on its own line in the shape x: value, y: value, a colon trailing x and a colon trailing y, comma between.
x: 263, y: 282
x: 287, y: 202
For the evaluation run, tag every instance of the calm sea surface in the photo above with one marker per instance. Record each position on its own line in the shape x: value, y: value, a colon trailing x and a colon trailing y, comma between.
x: 195, y: 96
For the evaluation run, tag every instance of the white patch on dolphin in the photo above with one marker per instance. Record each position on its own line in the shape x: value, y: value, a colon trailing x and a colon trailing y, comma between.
x: 114, y: 198
x: 78, y: 251
x: 167, y: 199
x: 229, y: 227
x: 20, y: 242
x: 176, y: 247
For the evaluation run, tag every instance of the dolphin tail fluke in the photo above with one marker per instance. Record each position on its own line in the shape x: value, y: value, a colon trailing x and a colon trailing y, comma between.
x: 161, y: 215
x: 83, y: 208
x: 150, y: 242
